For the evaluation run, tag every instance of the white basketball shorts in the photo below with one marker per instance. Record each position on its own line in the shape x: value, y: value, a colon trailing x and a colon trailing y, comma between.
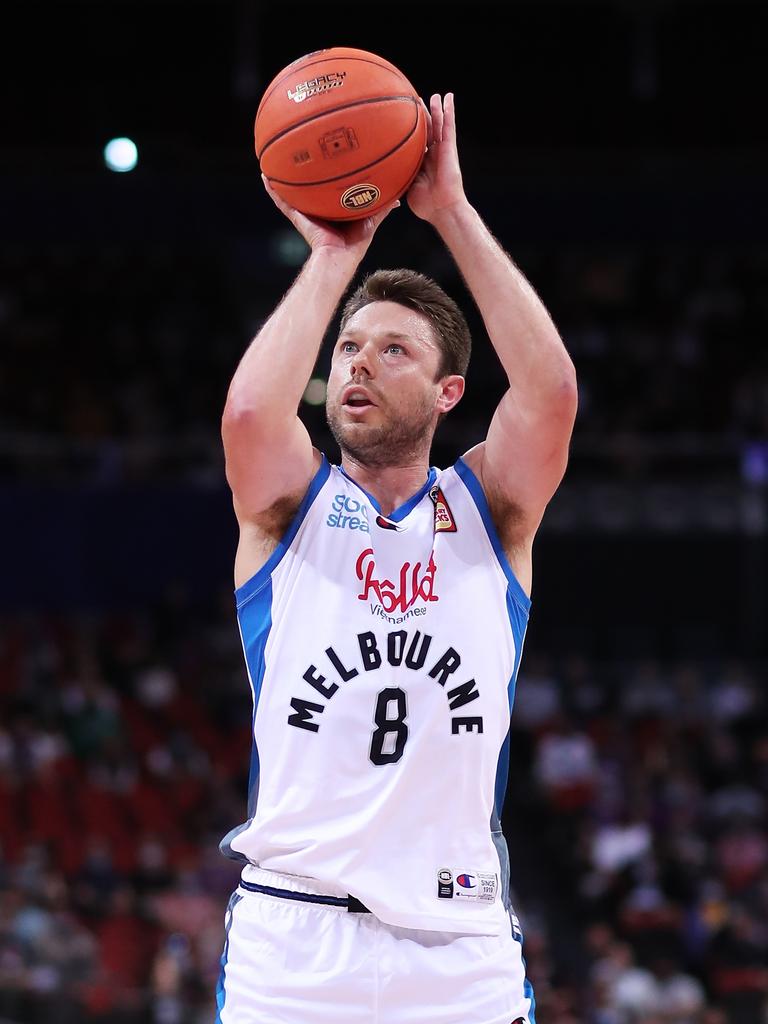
x: 300, y: 953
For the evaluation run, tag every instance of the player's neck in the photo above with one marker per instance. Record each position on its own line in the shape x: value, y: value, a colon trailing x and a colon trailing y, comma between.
x: 391, y: 486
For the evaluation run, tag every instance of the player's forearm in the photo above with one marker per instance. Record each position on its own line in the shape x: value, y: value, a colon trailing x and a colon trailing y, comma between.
x: 522, y: 332
x: 276, y: 367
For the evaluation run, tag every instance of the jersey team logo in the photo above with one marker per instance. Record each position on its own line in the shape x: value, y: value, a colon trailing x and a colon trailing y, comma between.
x: 444, y: 521
x: 412, y: 584
x: 386, y: 524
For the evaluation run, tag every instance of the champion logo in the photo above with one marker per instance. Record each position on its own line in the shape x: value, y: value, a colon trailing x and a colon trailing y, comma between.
x: 412, y: 584
x: 466, y: 881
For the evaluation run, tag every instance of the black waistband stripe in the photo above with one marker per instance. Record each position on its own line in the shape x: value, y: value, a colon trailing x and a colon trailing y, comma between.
x: 352, y: 904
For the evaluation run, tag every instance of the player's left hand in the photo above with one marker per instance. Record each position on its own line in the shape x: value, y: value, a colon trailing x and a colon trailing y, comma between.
x: 438, y: 185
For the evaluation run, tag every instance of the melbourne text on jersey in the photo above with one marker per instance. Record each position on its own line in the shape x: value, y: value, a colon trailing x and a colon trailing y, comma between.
x: 374, y: 653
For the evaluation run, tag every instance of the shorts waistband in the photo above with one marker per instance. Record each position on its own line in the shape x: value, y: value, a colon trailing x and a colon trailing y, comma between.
x: 298, y: 888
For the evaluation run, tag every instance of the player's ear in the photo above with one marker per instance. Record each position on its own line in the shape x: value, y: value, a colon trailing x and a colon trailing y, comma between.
x: 452, y: 388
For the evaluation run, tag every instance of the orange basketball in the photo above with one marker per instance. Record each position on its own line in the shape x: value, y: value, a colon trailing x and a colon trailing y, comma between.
x: 340, y: 133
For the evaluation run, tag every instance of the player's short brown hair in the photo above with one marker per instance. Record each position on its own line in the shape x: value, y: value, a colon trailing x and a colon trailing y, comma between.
x: 419, y: 292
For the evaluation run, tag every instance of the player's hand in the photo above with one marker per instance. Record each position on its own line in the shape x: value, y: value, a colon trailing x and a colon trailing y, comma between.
x: 352, y: 237
x: 438, y: 185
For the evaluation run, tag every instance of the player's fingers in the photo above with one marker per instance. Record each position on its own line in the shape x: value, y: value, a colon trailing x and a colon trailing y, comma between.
x: 449, y: 116
x: 436, y: 109
x: 292, y: 214
x: 279, y: 203
x: 429, y: 122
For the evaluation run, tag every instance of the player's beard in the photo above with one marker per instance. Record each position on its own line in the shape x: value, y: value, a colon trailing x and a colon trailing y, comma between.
x: 397, y: 442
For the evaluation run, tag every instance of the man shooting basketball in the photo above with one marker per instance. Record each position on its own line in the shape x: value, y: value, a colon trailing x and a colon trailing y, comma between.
x: 383, y: 606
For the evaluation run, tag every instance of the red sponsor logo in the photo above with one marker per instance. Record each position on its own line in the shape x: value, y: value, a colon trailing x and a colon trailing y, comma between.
x: 412, y: 584
x: 444, y: 521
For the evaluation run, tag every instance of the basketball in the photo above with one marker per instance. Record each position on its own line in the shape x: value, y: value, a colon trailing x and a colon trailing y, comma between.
x: 340, y: 133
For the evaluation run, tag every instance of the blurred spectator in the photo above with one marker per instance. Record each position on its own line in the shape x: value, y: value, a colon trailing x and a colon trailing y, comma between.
x: 565, y: 766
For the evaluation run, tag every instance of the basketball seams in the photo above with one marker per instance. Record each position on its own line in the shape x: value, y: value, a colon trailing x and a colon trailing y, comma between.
x: 358, y: 170
x: 385, y: 66
x: 334, y: 110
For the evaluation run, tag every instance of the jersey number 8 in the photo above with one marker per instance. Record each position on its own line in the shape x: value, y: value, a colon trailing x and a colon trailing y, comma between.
x: 386, y: 726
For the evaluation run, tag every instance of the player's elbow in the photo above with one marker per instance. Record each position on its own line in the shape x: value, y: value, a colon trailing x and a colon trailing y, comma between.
x: 567, y: 399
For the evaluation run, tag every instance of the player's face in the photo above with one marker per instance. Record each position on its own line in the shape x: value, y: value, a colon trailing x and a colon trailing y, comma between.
x: 382, y: 389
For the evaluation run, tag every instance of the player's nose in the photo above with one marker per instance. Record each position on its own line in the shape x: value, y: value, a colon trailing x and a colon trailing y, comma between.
x: 362, y: 363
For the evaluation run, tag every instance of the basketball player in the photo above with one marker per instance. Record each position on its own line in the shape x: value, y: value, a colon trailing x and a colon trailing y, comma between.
x: 382, y: 605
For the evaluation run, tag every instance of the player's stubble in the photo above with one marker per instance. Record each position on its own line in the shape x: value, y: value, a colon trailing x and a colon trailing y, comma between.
x: 396, y: 442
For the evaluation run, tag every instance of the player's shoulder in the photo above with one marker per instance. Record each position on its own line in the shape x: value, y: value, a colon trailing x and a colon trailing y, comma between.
x: 506, y: 513
x: 473, y: 459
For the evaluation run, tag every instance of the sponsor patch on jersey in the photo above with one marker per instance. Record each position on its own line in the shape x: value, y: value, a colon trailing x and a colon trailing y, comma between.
x: 444, y: 521
x: 415, y: 583
x: 480, y: 886
x: 348, y: 514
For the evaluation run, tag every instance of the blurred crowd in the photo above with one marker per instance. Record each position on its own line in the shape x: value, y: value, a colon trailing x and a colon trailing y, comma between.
x: 643, y: 789
x: 636, y: 817
x: 118, y: 355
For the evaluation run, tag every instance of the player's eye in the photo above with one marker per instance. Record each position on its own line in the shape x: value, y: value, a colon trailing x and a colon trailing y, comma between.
x: 347, y: 346
x: 397, y: 349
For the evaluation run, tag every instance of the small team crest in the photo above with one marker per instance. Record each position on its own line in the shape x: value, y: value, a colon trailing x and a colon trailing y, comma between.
x: 444, y: 521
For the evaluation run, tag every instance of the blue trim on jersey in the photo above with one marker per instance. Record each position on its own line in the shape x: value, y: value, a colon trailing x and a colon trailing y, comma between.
x: 255, y: 622
x: 518, y: 620
x: 475, y: 488
x: 502, y: 852
x: 407, y: 506
x: 221, y: 995
x: 502, y: 776
x: 518, y: 936
x: 250, y: 587
x: 528, y: 993
x: 518, y: 602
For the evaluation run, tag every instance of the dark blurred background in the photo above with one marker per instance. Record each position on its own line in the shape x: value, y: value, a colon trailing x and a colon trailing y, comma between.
x: 619, y: 151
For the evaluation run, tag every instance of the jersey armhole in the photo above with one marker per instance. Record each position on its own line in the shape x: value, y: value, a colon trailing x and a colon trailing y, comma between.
x: 477, y: 494
x: 252, y: 586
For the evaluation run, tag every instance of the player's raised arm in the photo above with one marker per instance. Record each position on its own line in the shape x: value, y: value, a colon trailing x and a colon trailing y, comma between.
x: 269, y: 454
x: 525, y: 454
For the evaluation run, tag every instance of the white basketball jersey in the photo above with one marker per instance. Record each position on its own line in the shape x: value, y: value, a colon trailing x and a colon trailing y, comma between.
x: 382, y: 655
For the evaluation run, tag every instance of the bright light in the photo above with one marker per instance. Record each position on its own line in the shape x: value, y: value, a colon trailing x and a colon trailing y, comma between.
x: 289, y: 248
x: 121, y: 155
x: 315, y: 391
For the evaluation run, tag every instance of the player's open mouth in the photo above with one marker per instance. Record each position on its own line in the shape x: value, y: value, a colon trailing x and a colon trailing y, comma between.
x: 356, y: 398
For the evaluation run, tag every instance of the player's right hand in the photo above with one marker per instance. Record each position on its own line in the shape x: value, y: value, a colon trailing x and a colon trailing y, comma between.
x: 352, y: 237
